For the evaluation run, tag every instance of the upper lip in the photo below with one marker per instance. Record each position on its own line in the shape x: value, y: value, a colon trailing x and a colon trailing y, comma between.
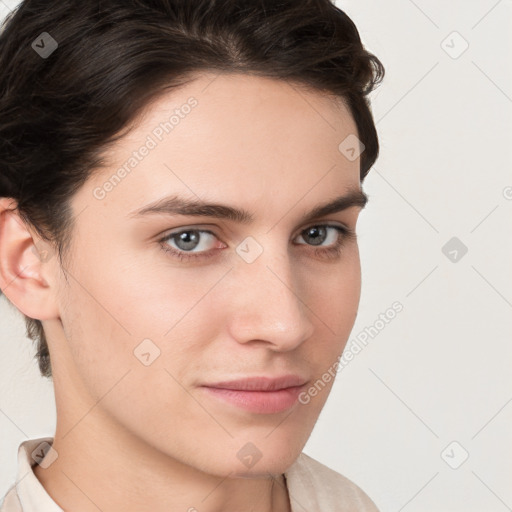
x: 260, y: 383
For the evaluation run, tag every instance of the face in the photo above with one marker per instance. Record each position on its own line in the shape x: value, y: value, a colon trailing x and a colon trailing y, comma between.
x: 155, y: 306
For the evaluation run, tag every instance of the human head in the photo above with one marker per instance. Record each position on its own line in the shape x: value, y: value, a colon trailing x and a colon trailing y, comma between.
x: 62, y: 115
x: 58, y: 113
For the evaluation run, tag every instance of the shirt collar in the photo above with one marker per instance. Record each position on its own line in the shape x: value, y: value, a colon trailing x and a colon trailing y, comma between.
x: 31, y: 493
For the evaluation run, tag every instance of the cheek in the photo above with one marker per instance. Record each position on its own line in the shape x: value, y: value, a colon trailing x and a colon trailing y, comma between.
x: 119, y: 298
x: 334, y: 293
x: 99, y: 338
x: 127, y: 308
x: 103, y: 317
x: 109, y: 337
x: 333, y: 298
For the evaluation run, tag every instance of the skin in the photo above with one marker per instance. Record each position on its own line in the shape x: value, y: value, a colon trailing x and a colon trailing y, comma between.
x: 133, y: 437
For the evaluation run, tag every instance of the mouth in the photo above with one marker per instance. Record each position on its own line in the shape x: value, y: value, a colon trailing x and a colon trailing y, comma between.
x: 261, y: 395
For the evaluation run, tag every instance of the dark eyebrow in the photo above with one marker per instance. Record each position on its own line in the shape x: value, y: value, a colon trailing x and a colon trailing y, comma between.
x: 175, y: 205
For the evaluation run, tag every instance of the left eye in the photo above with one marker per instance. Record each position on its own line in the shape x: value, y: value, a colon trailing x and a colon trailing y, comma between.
x: 318, y: 234
x: 188, y: 240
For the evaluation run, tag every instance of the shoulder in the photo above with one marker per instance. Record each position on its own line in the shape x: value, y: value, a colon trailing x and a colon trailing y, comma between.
x: 27, y: 491
x: 313, y: 484
x: 11, y: 502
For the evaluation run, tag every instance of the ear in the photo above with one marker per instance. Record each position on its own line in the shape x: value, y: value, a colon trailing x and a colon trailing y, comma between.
x: 25, y: 268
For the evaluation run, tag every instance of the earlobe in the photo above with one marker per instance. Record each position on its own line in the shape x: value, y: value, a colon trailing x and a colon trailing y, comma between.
x: 24, y: 262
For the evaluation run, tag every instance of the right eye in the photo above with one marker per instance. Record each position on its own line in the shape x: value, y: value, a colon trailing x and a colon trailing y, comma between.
x: 186, y: 240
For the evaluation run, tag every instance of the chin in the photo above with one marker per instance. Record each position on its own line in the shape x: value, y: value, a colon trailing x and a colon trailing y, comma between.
x: 274, y: 464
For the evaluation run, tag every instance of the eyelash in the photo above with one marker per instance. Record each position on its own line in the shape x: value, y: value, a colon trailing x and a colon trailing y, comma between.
x: 332, y: 252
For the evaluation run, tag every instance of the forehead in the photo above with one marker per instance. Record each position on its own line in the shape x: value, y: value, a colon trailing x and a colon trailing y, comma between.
x: 233, y: 137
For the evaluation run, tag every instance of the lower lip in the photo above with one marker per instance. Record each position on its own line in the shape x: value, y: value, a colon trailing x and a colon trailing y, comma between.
x: 262, y: 402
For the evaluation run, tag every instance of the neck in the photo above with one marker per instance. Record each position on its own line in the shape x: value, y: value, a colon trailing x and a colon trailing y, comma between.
x: 121, y: 473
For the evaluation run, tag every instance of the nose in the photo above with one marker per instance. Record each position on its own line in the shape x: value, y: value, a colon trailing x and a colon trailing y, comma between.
x: 268, y: 302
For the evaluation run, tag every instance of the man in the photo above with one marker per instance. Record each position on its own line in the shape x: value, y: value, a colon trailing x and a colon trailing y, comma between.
x: 183, y: 232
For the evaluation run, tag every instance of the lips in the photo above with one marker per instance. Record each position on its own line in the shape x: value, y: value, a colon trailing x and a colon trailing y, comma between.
x: 260, y: 383
x: 262, y: 395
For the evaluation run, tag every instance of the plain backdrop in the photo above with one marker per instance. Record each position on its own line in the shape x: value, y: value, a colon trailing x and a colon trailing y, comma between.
x: 421, y: 416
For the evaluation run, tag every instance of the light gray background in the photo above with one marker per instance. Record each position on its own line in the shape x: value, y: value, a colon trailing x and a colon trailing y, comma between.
x: 439, y: 372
